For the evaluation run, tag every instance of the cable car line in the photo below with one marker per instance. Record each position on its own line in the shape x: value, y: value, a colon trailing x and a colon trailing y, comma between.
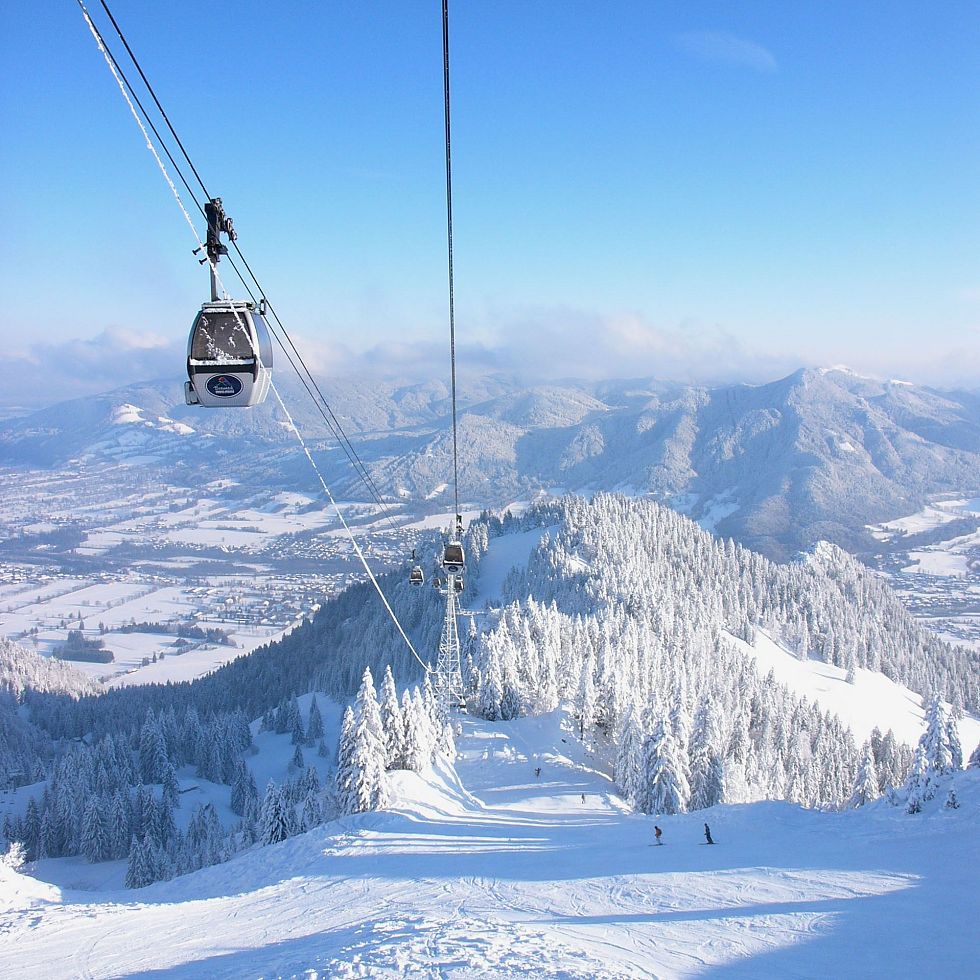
x: 350, y: 534
x: 309, y: 382
x: 149, y: 88
x: 448, y: 666
x: 116, y: 73
x: 449, y: 240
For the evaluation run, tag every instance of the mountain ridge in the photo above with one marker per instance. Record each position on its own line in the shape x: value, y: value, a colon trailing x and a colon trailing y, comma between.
x: 818, y: 454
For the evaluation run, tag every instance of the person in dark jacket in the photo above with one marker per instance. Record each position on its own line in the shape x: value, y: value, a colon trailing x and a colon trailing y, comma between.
x: 707, y: 834
x: 658, y: 833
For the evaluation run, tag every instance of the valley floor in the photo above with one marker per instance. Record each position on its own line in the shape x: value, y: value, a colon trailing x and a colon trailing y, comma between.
x: 498, y: 873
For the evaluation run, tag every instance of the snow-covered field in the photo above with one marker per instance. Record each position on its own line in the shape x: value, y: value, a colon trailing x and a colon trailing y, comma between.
x: 496, y: 873
x: 78, y: 604
x: 932, y: 559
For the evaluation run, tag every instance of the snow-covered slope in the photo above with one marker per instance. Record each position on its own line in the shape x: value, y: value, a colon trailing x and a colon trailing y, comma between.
x: 871, y: 701
x: 23, y: 669
x: 497, y: 873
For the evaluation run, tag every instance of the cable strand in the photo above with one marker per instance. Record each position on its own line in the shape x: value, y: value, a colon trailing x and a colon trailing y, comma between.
x: 350, y: 533
x: 449, y: 241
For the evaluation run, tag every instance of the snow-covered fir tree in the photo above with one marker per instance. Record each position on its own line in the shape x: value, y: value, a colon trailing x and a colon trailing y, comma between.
x: 663, y: 787
x: 866, y: 784
x: 275, y: 820
x: 361, y: 781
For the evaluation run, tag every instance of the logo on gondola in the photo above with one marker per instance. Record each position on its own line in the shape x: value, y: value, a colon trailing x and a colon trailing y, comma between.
x: 224, y: 385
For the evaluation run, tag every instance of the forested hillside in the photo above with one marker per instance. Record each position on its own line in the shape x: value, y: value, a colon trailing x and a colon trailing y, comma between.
x: 625, y: 610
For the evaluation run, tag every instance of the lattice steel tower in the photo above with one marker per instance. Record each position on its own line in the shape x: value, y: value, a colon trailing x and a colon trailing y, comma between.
x: 449, y: 675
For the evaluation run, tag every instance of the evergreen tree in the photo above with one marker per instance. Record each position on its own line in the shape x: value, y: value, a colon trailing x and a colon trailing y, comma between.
x: 366, y: 788
x: 95, y: 835
x: 490, y: 702
x: 138, y: 870
x: 153, y: 751
x: 117, y: 826
x: 392, y: 723
x: 275, y: 824
x: 310, y: 816
x: 662, y: 785
x: 239, y: 789
x: 345, y: 756
x: 628, y: 756
x: 707, y: 766
x: 314, y: 727
x: 297, y: 732
x: 419, y: 734
x: 586, y: 699
x: 31, y: 833
x: 866, y: 784
x: 940, y: 743
x: 171, y: 788
x: 919, y: 785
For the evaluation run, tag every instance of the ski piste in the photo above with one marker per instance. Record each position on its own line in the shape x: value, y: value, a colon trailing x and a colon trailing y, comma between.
x: 461, y: 867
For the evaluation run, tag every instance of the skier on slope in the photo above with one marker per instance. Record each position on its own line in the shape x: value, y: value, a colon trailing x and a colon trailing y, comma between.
x: 658, y: 833
x: 537, y: 773
x: 707, y: 834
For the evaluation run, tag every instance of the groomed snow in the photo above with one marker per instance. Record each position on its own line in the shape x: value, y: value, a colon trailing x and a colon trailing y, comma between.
x: 497, y: 873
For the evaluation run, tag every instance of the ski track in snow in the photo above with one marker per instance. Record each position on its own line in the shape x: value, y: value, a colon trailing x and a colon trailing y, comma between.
x: 497, y: 873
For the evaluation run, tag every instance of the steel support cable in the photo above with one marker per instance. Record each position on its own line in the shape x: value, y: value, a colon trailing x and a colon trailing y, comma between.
x: 104, y: 48
x: 153, y: 94
x: 350, y: 533
x: 333, y: 423
x: 449, y: 237
x: 150, y: 145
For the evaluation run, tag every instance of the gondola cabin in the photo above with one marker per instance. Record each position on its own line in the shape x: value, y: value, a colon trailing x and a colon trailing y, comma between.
x: 417, y: 577
x: 229, y: 356
x: 452, y: 558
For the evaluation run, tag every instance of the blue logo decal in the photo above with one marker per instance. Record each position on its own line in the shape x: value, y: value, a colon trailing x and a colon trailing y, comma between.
x: 224, y: 385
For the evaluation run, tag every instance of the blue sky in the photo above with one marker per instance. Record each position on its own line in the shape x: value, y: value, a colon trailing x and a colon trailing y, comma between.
x: 692, y: 190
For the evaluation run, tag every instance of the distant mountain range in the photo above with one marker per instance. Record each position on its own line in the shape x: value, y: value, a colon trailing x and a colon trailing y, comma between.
x: 816, y: 455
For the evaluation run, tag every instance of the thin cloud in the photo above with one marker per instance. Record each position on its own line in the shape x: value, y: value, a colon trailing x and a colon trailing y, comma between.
x: 52, y: 372
x: 534, y: 345
x: 727, y: 49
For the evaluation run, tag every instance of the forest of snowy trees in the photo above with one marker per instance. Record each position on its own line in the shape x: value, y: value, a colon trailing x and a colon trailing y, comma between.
x: 615, y: 549
x: 631, y: 608
x: 625, y: 612
x: 116, y: 798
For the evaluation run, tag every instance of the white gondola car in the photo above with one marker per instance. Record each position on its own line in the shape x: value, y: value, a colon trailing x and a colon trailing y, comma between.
x: 452, y: 558
x: 229, y: 356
